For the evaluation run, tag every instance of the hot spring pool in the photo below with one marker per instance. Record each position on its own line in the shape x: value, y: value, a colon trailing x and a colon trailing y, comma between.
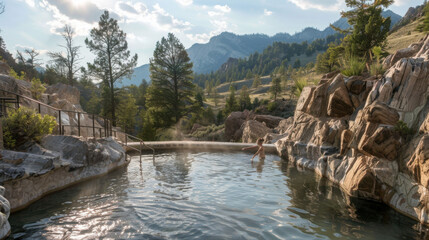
x: 209, y: 196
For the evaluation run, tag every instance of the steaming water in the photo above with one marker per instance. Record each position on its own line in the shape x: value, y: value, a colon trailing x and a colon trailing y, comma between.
x: 208, y: 196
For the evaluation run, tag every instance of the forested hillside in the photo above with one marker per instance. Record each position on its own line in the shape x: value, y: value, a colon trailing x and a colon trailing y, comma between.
x: 274, y: 56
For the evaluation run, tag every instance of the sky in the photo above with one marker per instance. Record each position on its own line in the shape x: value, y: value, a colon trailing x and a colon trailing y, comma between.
x: 37, y: 24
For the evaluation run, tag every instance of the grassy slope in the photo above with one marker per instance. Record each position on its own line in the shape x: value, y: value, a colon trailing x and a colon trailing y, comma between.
x: 404, y: 36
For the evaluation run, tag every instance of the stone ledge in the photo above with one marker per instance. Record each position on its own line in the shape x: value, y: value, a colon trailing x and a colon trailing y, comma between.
x: 199, y: 146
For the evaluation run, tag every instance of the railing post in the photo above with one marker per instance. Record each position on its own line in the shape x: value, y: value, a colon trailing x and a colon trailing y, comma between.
x: 17, y: 101
x: 99, y: 131
x: 93, y: 125
x: 78, y: 124
x: 111, y: 129
x: 39, y: 109
x: 59, y: 121
x: 105, y: 127
x: 1, y: 136
x: 141, y: 148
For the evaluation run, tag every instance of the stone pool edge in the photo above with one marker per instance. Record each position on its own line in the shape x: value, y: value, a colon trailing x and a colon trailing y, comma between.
x: 200, y: 146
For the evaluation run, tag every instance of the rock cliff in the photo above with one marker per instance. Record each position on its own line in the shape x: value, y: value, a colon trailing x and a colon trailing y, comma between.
x: 369, y: 135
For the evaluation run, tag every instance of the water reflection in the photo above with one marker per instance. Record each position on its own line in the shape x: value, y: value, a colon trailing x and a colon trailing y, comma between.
x: 259, y: 165
x: 209, y: 196
x: 332, y: 211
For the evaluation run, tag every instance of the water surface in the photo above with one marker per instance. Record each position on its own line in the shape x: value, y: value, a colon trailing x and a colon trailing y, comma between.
x: 209, y: 196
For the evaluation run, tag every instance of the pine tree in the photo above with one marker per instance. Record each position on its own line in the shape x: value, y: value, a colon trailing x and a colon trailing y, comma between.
x: 127, y: 110
x: 256, y: 81
x: 231, y: 104
x: 244, y: 100
x: 112, y: 62
x: 170, y: 94
x: 368, y: 27
x: 276, y: 87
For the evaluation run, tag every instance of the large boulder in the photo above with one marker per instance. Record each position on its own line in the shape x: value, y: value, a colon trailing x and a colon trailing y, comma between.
x: 339, y: 103
x: 4, y: 215
x: 233, y: 122
x: 270, y: 121
x: 4, y: 68
x: 252, y: 130
x: 284, y: 125
x: 380, y: 113
x: 383, y: 143
x: 63, y: 91
x: 58, y: 162
x: 419, y: 162
x: 360, y: 181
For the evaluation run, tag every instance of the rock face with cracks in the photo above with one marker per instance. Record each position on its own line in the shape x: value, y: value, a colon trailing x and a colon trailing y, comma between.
x: 346, y: 129
x: 54, y: 164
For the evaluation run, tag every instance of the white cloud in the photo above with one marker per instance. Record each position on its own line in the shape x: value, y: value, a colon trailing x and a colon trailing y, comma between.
x: 219, y: 22
x: 185, y: 2
x: 330, y: 5
x: 158, y: 18
x: 30, y: 3
x: 267, y: 12
x: 223, y: 8
x: 21, y: 48
x: 80, y: 27
x: 404, y: 2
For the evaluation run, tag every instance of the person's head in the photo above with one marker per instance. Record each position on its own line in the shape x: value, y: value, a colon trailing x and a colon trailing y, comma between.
x: 260, y: 141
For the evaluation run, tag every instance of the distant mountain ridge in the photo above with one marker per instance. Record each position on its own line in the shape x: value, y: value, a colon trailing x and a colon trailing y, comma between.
x: 210, y: 56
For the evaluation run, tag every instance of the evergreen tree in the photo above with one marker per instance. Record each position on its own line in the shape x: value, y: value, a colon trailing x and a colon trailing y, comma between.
x: 297, y: 63
x: 215, y: 97
x: 276, y: 87
x: 112, y: 62
x: 127, y: 110
x: 231, y: 104
x: 169, y: 96
x: 147, y: 127
x: 368, y: 27
x: 244, y: 100
x: 256, y: 81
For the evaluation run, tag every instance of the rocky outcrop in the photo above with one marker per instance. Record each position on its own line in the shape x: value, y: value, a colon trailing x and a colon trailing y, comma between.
x: 58, y: 162
x: 233, y: 122
x: 252, y: 130
x: 247, y: 127
x: 60, y: 96
x: 4, y: 215
x: 349, y: 130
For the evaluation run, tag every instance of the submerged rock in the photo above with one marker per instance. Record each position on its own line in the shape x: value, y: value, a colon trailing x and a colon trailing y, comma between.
x: 346, y: 129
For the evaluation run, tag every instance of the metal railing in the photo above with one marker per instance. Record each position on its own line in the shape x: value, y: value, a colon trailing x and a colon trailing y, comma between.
x: 98, y: 125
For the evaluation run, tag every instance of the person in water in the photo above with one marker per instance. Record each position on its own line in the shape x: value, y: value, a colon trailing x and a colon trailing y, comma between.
x: 260, y: 148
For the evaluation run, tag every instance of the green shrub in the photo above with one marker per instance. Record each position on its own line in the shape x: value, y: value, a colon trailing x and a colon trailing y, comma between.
x: 24, y: 125
x: 298, y: 86
x: 377, y: 69
x: 15, y: 75
x: 354, y: 67
x: 403, y: 130
x: 37, y: 88
x: 272, y: 106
